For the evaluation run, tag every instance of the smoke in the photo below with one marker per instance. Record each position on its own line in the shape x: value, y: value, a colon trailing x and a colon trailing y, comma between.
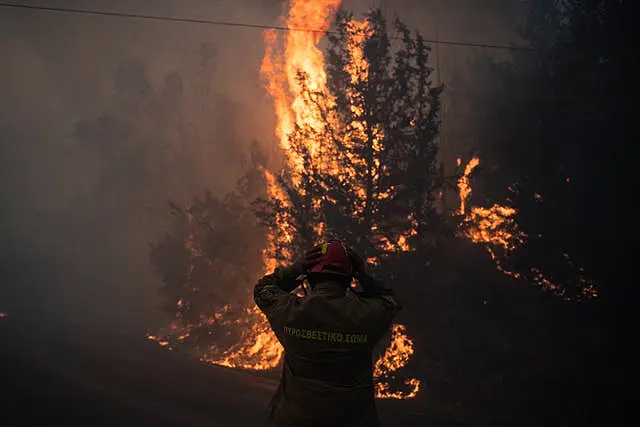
x: 104, y: 120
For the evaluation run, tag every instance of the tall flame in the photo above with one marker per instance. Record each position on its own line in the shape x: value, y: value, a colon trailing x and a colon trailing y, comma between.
x: 301, y: 55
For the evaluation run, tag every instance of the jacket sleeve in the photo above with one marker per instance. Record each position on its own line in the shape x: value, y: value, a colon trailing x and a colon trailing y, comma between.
x: 381, y: 306
x: 272, y: 294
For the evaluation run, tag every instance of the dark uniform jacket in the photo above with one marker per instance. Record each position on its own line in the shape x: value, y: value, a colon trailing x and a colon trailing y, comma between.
x: 328, y: 336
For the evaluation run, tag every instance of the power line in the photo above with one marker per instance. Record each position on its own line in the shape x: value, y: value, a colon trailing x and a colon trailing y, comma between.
x: 230, y: 24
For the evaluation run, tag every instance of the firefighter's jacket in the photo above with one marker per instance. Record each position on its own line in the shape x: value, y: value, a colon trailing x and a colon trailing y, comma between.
x: 328, y: 337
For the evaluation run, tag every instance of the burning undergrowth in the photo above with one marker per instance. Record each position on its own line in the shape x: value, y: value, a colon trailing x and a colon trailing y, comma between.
x: 208, y: 264
x: 497, y: 229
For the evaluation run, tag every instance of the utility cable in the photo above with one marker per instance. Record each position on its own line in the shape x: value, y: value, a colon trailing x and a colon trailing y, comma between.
x: 232, y: 24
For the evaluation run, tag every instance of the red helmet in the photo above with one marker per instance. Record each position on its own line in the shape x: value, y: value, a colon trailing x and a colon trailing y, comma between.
x: 335, y: 261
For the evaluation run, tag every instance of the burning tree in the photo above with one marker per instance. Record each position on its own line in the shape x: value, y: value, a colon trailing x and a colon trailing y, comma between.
x: 361, y: 149
x: 353, y: 135
x: 358, y: 138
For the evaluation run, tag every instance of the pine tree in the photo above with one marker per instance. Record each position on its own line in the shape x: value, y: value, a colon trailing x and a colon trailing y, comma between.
x: 367, y: 163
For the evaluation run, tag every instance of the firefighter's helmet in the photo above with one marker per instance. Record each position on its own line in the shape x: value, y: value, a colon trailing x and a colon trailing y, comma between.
x: 335, y: 261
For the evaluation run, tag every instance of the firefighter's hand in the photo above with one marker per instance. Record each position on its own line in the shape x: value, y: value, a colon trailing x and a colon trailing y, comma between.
x: 361, y: 273
x: 359, y: 265
x: 308, y: 260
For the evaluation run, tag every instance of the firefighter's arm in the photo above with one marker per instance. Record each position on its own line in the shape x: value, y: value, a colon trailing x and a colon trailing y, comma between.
x: 376, y: 290
x: 368, y: 283
x: 273, y: 290
x: 381, y: 305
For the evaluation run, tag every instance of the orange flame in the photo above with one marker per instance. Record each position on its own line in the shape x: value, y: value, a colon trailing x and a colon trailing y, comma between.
x: 258, y: 348
x: 301, y: 55
x: 463, y: 183
x: 495, y: 227
x: 395, y: 357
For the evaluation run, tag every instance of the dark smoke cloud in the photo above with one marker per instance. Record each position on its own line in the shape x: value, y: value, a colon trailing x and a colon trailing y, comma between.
x: 103, y: 120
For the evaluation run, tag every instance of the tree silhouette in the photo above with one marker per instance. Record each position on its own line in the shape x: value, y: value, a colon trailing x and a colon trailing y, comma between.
x: 210, y: 256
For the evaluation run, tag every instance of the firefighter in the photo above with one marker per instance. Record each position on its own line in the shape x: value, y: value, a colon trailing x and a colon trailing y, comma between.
x: 328, y: 337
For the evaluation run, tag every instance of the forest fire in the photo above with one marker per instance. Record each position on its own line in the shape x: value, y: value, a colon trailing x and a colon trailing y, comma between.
x: 294, y: 68
x: 496, y: 228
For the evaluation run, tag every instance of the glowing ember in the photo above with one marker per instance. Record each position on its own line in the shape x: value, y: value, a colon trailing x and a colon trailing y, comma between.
x: 3, y: 315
